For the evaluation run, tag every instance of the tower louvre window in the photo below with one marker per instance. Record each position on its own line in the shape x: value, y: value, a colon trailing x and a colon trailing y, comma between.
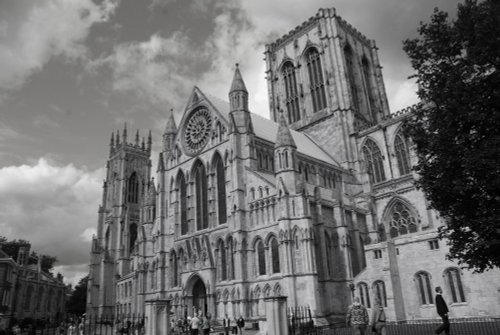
x: 133, y: 189
x: 292, y: 96
x: 373, y: 160
x: 402, y: 154
x: 351, y: 76
x: 369, y: 87
x: 317, y: 84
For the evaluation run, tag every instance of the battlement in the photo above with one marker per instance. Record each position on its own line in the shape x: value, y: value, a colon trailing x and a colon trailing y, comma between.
x: 313, y: 20
x: 116, y: 143
x: 401, y: 112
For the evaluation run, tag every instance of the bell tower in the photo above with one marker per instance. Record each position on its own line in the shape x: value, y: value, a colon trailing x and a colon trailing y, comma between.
x: 128, y: 170
x: 326, y: 77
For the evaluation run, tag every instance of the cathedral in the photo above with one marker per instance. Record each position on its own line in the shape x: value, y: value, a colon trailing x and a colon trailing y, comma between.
x: 315, y: 205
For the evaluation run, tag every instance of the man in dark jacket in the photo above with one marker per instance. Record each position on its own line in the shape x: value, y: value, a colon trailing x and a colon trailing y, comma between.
x: 442, y: 310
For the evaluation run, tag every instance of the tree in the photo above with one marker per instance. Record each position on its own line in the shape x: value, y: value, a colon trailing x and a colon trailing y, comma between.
x: 11, y: 248
x: 78, y: 300
x: 456, y: 130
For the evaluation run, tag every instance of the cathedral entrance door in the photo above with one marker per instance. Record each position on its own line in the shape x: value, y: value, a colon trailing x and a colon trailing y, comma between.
x: 200, y: 296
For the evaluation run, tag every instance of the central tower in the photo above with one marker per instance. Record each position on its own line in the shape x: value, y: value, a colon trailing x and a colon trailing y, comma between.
x: 326, y: 78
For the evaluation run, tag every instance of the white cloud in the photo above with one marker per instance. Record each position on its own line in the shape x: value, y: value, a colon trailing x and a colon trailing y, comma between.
x: 54, y: 207
x: 158, y: 69
x: 48, y: 28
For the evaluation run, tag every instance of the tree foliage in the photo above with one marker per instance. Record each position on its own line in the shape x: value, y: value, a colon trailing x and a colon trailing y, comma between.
x: 78, y: 300
x: 11, y: 248
x: 456, y: 130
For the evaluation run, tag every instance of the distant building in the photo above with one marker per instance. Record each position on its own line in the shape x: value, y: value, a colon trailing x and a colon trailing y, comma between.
x: 28, y: 292
x: 316, y: 204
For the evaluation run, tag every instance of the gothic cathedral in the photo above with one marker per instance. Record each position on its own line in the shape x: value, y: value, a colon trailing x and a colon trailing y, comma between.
x: 316, y: 205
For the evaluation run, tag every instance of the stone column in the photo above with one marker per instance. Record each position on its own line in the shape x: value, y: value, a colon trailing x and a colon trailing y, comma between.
x: 276, y: 317
x: 157, y: 313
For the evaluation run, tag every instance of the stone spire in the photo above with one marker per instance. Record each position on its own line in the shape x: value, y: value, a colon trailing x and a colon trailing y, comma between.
x: 112, y: 143
x: 137, y: 138
x: 238, y: 83
x: 238, y: 94
x: 284, y: 137
x: 170, y: 127
x: 117, y: 138
x: 125, y: 133
x: 150, y: 141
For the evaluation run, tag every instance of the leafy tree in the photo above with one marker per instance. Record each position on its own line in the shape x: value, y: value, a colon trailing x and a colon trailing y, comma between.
x: 78, y: 300
x: 456, y: 130
x: 11, y: 248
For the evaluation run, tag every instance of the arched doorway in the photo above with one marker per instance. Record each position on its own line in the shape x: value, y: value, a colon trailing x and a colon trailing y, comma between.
x: 200, y: 296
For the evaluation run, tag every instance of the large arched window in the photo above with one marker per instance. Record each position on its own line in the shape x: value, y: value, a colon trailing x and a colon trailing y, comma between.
x: 222, y: 261
x: 454, y: 283
x: 373, y: 160
x: 200, y: 181
x: 221, y: 189
x: 380, y: 293
x: 292, y: 96
x: 133, y: 189
x: 316, y: 82
x: 261, y: 258
x: 181, y: 186
x: 364, y: 295
x: 402, y: 154
x: 275, y: 255
x: 402, y: 220
x: 350, y: 65
x: 423, y: 280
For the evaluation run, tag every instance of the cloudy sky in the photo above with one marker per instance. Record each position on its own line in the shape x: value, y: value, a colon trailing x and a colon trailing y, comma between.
x: 72, y: 71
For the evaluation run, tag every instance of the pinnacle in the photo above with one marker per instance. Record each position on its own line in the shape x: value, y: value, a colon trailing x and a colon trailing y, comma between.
x: 238, y: 83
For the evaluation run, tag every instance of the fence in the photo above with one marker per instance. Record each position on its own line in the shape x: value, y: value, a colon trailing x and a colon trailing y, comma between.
x: 486, y: 326
x: 92, y: 325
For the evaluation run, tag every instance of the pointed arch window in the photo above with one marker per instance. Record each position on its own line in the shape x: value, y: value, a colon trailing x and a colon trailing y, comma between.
x: 292, y: 96
x: 423, y: 280
x: 132, y: 236
x: 329, y: 254
x: 380, y: 293
x: 317, y: 84
x: 364, y: 295
x: 174, y: 265
x: 454, y: 283
x: 261, y: 258
x: 133, y: 189
x: 402, y: 154
x: 402, y: 220
x: 182, y: 187
x: 373, y: 160
x: 221, y: 190
x: 369, y: 88
x: 275, y: 255
x: 223, y: 263
x: 200, y: 180
x: 349, y: 58
x: 230, y: 251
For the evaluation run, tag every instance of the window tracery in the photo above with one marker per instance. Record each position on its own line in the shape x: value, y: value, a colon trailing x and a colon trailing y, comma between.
x: 316, y: 82
x: 373, y: 160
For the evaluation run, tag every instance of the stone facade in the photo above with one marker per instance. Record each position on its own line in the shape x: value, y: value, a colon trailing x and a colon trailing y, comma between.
x: 28, y: 292
x: 316, y: 205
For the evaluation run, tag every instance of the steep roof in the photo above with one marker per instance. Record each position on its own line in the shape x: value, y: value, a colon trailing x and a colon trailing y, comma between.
x: 268, y: 130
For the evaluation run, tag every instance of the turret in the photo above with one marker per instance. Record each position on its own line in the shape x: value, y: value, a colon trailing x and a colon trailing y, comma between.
x: 112, y: 143
x: 285, y: 155
x: 238, y: 102
x: 169, y: 133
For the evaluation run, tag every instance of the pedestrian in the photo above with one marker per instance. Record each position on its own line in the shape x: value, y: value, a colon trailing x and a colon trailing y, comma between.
x: 357, y: 317
x: 205, y: 325
x: 71, y: 329
x: 80, y: 327
x: 234, y: 326
x: 226, y: 323
x: 195, y: 325
x: 442, y: 310
x: 378, y: 319
x: 16, y: 330
x: 241, y: 324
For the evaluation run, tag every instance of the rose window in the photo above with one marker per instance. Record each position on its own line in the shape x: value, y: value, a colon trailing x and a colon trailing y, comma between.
x: 197, y: 130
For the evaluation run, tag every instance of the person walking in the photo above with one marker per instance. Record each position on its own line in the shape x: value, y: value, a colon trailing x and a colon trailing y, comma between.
x: 226, y: 323
x: 357, y: 317
x: 195, y: 325
x: 205, y: 325
x: 378, y: 319
x: 234, y: 326
x: 241, y: 324
x: 442, y: 310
